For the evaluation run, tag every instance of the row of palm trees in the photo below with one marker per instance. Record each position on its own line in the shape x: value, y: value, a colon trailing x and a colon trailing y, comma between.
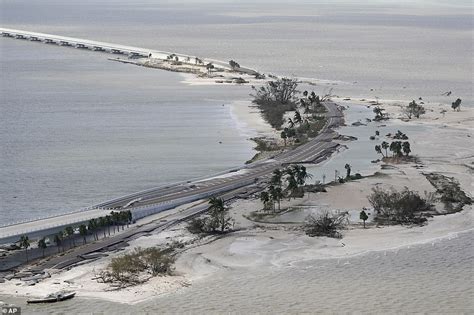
x: 398, y: 148
x: 114, y: 220
x: 296, y: 177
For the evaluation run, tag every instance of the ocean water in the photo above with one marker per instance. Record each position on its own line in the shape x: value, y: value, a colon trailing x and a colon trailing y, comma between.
x: 431, y: 278
x: 76, y: 129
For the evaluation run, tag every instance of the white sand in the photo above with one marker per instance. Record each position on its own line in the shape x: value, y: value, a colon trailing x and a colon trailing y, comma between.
x: 250, y: 120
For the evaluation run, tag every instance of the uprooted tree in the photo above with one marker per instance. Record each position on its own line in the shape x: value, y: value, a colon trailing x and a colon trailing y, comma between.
x: 325, y: 224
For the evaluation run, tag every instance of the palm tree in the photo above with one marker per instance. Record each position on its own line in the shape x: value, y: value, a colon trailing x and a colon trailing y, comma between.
x: 284, y: 136
x: 113, y: 218
x: 276, y: 194
x: 406, y: 148
x: 301, y: 174
x: 25, y: 243
x: 363, y: 216
x: 276, y: 177
x: 271, y: 192
x: 265, y: 198
x: 123, y: 218
x: 69, y: 231
x: 218, y: 212
x: 292, y: 185
x: 129, y: 217
x: 103, y: 224
x: 83, y: 232
x: 306, y: 109
x: 216, y: 203
x: 378, y: 149
x: 92, y: 226
x: 396, y: 148
x: 209, y: 67
x: 303, y: 103
x: 42, y: 244
x: 297, y: 118
x: 108, y: 218
x: 116, y: 218
x: 291, y: 124
x: 385, y: 146
x: 58, y: 239
x: 348, y: 170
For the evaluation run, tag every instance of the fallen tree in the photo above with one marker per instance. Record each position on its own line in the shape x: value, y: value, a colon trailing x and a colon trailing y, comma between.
x: 325, y: 225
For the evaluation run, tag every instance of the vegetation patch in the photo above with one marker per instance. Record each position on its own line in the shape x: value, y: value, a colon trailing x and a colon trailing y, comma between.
x: 295, y: 179
x: 325, y: 225
x: 413, y: 110
x: 400, y: 207
x: 280, y: 96
x: 138, y: 266
x: 450, y: 192
x: 216, y: 221
x: 400, y: 148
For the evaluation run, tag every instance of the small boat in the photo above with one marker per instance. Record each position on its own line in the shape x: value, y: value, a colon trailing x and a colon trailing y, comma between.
x: 54, y: 297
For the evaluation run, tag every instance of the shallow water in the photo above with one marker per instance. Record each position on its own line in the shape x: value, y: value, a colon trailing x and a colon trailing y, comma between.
x: 428, y: 278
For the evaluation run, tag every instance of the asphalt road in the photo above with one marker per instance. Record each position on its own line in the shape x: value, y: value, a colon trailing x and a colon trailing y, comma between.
x: 306, y: 153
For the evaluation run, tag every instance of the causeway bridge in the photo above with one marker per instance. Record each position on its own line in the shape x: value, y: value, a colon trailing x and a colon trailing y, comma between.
x: 145, y: 203
x: 116, y: 49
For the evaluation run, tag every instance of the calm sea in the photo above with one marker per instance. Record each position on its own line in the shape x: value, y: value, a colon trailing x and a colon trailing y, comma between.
x: 76, y: 129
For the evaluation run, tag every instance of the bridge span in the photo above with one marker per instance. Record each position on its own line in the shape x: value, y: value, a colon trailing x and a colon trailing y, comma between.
x: 117, y: 49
